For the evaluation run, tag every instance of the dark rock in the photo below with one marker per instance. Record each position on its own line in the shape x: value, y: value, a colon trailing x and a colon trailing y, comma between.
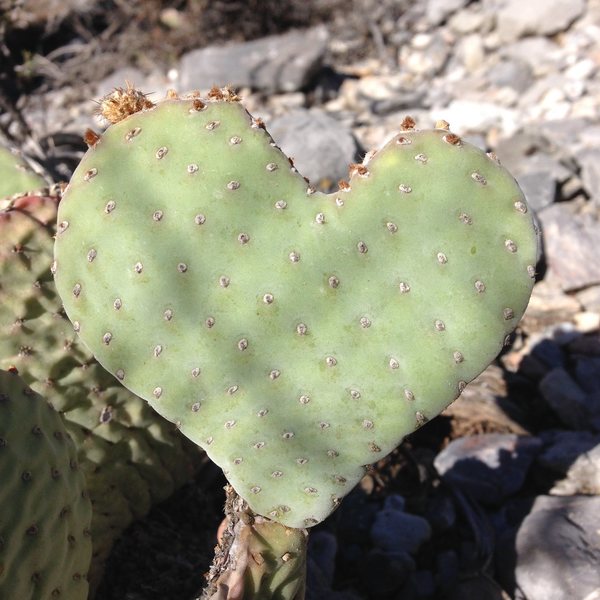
x: 446, y: 570
x: 281, y: 63
x: 575, y: 457
x: 558, y: 549
x: 322, y: 548
x: 488, y: 467
x: 573, y: 406
x: 561, y: 448
x: 549, y: 352
x: 441, y: 513
x: 424, y: 583
x: 587, y: 373
x: 571, y: 246
x: 321, y: 147
x: 397, y: 532
x: 382, y: 574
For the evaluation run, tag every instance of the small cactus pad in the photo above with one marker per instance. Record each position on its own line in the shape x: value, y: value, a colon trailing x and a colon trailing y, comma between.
x: 296, y: 336
x: 15, y: 174
x: 45, y: 514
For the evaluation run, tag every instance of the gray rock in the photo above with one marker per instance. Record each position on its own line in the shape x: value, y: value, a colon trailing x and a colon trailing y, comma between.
x: 558, y: 549
x: 539, y: 188
x: 590, y: 172
x: 573, y: 406
x: 439, y: 10
x: 514, y: 73
x: 488, y: 467
x: 282, y: 63
x: 537, y: 17
x: 321, y: 147
x: 541, y: 54
x: 571, y: 246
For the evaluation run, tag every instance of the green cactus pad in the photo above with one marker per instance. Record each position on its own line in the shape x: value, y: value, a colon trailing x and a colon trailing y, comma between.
x: 15, y: 174
x: 45, y: 513
x: 295, y: 336
x: 131, y: 457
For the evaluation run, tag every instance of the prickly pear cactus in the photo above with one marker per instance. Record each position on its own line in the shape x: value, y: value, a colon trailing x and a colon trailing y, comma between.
x: 15, y: 175
x: 45, y: 513
x: 295, y: 336
x: 130, y: 456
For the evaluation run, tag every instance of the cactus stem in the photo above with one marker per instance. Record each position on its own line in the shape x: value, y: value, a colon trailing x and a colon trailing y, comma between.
x: 256, y: 557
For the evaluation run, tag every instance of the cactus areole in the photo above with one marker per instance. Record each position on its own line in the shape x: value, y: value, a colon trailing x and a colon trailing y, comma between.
x: 296, y: 336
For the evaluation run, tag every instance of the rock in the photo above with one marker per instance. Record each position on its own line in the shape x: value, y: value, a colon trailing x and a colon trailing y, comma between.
x: 424, y: 583
x: 561, y: 448
x: 321, y: 147
x: 574, y: 407
x: 541, y: 54
x: 280, y: 63
x: 558, y: 549
x: 571, y: 246
x: 583, y: 476
x: 587, y: 321
x: 477, y: 116
x: 477, y: 587
x: 322, y: 547
x: 446, y: 570
x: 539, y: 188
x: 382, y: 575
x: 587, y: 373
x: 441, y: 513
x: 397, y: 532
x: 439, y: 10
x: 537, y: 17
x: 488, y: 467
x: 548, y: 306
x: 426, y: 54
x: 590, y: 298
x: 589, y: 161
x: 469, y: 20
x: 514, y: 73
x: 471, y: 52
x: 575, y: 456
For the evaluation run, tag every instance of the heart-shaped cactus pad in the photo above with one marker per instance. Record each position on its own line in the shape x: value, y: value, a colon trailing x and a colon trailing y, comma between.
x: 295, y: 336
